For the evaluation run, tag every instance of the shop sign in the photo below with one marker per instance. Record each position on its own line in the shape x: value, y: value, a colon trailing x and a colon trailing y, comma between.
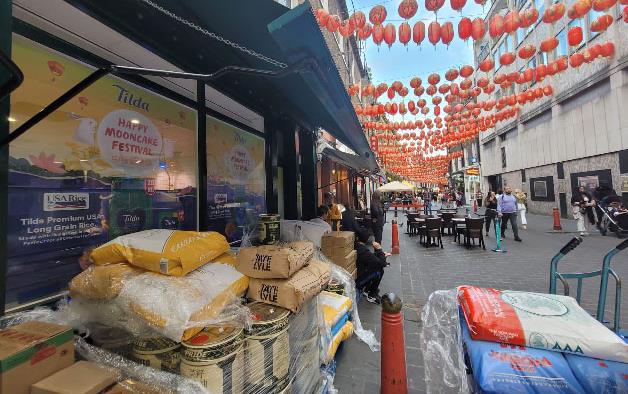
x: 472, y: 171
x: 624, y: 182
x: 65, y: 201
x: 149, y: 186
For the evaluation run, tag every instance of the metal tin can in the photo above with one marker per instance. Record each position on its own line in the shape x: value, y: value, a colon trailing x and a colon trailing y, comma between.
x: 215, y: 357
x: 158, y: 353
x: 111, y: 339
x: 269, y: 229
x: 267, y: 355
x: 336, y: 286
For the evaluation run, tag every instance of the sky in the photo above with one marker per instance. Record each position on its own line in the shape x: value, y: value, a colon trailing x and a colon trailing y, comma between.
x: 402, y: 63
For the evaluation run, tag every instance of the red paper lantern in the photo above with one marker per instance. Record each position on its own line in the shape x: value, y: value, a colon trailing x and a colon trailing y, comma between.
x: 548, y: 91
x: 574, y: 36
x: 528, y: 74
x: 603, y: 5
x: 482, y: 82
x: 404, y: 33
x: 415, y: 82
x: 466, y: 84
x: 553, y: 13
x: 490, y: 88
x: 391, y: 93
x: 433, y: 33
x: 447, y: 33
x: 512, y: 76
x: 466, y: 71
x: 625, y: 14
x: 333, y: 23
x: 529, y: 17
x: 346, y: 28
x: 418, y: 32
x: 443, y: 89
x: 433, y: 79
x: 322, y: 16
x: 403, y: 92
x: 431, y: 90
x: 434, y: 5
x: 457, y: 5
x: 464, y: 28
x: 377, y: 15
x: 365, y: 32
x: 359, y: 20
x: 477, y: 29
x: 437, y: 100
x: 499, y: 78
x: 527, y: 51
x: 512, y: 22
x: 408, y: 8
x: 487, y: 64
x: 496, y: 26
x: 378, y: 34
x: 540, y: 72
x: 451, y: 74
x: 601, y: 23
x: 576, y: 59
x: 419, y: 91
x: 608, y: 49
x: 507, y: 58
x: 549, y: 44
x: 390, y: 34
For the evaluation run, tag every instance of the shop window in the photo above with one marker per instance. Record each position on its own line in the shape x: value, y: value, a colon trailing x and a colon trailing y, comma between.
x: 116, y: 159
x: 503, y: 150
x: 236, y: 179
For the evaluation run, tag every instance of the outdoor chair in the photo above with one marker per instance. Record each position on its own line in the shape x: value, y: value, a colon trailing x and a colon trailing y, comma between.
x: 474, y: 227
x: 432, y: 231
x: 447, y: 224
x: 412, y: 225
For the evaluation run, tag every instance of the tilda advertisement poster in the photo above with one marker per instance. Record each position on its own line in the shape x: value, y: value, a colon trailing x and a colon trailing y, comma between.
x: 117, y: 158
x: 236, y: 179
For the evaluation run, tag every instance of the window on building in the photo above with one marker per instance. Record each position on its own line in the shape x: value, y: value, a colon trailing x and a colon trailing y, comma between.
x: 503, y: 150
x: 592, y: 16
x: 562, y: 49
x: 542, y: 58
x: 540, y: 5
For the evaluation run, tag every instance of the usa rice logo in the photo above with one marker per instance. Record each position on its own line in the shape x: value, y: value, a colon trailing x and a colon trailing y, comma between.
x: 65, y: 201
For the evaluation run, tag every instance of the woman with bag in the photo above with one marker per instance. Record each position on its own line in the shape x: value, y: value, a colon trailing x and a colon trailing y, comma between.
x: 491, y: 210
x: 522, y: 207
x: 580, y: 201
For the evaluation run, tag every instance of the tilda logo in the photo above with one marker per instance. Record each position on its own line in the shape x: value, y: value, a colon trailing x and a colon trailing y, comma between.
x: 125, y: 96
x: 65, y: 201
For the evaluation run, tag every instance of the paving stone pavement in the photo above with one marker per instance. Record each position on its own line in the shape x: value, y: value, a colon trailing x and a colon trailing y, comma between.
x: 416, y: 272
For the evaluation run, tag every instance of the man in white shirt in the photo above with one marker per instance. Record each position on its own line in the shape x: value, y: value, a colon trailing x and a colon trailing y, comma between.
x: 323, y: 216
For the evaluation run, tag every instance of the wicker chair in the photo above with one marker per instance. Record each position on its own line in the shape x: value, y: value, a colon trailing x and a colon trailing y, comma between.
x: 474, y: 229
x: 432, y: 231
x: 447, y: 223
x: 412, y: 225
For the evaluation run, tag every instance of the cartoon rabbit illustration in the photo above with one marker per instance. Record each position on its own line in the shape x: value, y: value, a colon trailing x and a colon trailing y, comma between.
x: 86, y: 129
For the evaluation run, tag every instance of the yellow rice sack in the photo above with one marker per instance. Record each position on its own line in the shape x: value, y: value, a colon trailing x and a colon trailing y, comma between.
x: 169, y: 252
x: 342, y: 335
x: 334, y: 307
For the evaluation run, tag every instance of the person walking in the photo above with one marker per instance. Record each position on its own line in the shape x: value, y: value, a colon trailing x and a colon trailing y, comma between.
x: 491, y: 211
x: 478, y: 197
x: 522, y: 207
x: 581, y: 201
x: 377, y: 215
x: 507, y: 211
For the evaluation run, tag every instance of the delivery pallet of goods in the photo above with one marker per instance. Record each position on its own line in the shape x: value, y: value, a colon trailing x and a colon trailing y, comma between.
x: 165, y: 311
x: 496, y: 341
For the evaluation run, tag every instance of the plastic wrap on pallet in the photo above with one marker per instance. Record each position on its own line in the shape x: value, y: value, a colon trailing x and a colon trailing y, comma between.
x: 441, y: 344
x: 146, y: 303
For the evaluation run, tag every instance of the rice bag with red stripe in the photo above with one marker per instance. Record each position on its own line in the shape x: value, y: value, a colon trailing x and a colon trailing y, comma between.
x: 543, y: 321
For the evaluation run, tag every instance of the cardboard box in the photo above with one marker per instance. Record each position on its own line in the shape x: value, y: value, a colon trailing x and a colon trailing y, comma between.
x: 347, y: 262
x: 31, y: 351
x: 272, y: 261
x: 338, y: 243
x: 354, y: 274
x: 294, y: 292
x: 84, y: 377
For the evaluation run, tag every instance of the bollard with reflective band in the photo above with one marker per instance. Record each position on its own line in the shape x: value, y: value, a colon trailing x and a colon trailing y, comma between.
x: 557, y: 226
x: 393, y: 357
x: 498, y: 238
x: 395, y: 238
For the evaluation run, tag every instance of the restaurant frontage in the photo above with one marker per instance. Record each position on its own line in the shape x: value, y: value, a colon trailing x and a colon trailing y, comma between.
x: 226, y: 134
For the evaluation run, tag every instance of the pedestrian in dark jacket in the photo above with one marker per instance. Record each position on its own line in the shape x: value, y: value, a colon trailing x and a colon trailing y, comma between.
x: 491, y: 211
x: 370, y: 266
x: 377, y: 214
x: 349, y: 222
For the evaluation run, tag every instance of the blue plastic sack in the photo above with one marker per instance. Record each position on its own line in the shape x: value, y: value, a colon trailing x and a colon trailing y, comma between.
x: 511, y: 369
x: 598, y: 376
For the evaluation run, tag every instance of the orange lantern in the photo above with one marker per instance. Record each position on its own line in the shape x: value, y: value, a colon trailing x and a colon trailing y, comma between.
x: 529, y: 17
x: 603, y: 5
x: 608, y: 49
x: 378, y: 34
x: 528, y: 74
x: 322, y: 16
x: 418, y: 32
x: 346, y: 28
x: 601, y: 23
x: 549, y: 44
x: 404, y: 33
x: 574, y: 36
x: 553, y: 13
x: 433, y: 33
x: 477, y: 29
x: 390, y: 34
x: 548, y: 91
x: 359, y: 20
x: 581, y: 8
x: 447, y: 33
x: 487, y: 64
x: 512, y: 22
x: 377, y: 15
x: 408, y: 8
x: 333, y: 23
x: 507, y: 58
x: 434, y: 5
x: 464, y: 28
x: 496, y: 26
x: 540, y: 72
x: 527, y: 51
x: 466, y: 71
x: 365, y: 32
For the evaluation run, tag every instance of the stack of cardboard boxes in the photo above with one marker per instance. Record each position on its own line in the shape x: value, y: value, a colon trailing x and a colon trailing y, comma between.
x: 338, y: 246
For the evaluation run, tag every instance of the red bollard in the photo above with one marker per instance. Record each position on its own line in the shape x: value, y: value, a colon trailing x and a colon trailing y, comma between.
x: 475, y: 206
x: 557, y: 226
x: 393, y: 357
x: 395, y: 238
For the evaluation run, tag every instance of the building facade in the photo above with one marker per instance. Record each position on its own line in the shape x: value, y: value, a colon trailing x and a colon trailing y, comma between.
x: 577, y: 136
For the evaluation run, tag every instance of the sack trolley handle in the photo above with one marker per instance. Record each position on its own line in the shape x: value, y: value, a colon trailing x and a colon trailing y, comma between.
x: 571, y: 245
x: 606, y: 271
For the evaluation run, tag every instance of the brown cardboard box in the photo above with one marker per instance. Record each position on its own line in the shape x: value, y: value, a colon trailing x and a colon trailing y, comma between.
x: 272, y: 261
x: 339, y: 243
x: 84, y: 377
x: 31, y: 351
x: 354, y: 274
x: 347, y: 262
x: 294, y: 292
